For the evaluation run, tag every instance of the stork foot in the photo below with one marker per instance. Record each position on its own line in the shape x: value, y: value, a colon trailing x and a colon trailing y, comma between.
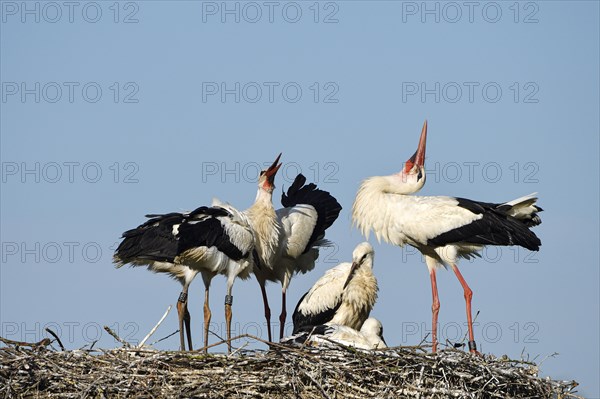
x: 473, y: 348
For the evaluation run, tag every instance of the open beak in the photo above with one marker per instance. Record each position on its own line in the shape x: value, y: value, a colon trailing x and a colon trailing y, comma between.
x: 351, y: 274
x: 272, y: 170
x: 418, y: 157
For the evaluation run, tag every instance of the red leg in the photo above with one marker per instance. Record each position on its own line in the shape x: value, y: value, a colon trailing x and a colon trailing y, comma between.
x: 267, y: 310
x: 207, y: 317
x: 181, y: 310
x: 282, y: 316
x: 435, y: 309
x: 468, y: 297
x: 228, y: 300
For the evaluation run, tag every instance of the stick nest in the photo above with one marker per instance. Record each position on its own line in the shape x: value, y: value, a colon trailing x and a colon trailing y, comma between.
x: 37, y: 370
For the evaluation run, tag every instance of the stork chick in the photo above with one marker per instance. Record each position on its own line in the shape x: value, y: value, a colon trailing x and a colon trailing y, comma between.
x: 369, y: 337
x: 345, y: 295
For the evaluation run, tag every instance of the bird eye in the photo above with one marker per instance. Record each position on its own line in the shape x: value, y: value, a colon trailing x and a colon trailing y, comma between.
x: 419, y: 175
x: 262, y: 172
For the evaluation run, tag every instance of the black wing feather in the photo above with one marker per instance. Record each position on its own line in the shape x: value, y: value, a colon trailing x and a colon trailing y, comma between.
x: 205, y: 230
x: 327, y: 207
x: 153, y: 240
x: 300, y: 337
x: 303, y: 320
x: 496, y: 227
x: 214, y: 211
x: 317, y: 330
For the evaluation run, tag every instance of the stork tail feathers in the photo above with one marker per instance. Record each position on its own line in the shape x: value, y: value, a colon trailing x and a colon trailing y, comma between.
x: 151, y: 241
x: 524, y: 209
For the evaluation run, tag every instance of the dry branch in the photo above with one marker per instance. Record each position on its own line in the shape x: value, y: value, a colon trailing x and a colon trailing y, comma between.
x: 155, y: 327
x: 56, y: 337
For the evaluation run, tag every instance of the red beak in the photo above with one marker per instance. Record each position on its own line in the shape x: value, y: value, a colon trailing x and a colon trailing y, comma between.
x: 418, y: 157
x: 272, y: 170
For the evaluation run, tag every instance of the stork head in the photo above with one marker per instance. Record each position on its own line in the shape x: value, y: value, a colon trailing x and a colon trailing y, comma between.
x: 266, y: 180
x: 412, y: 176
x: 373, y: 328
x: 362, y: 256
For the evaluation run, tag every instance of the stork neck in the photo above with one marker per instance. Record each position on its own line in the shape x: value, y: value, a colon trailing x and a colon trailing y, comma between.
x: 369, y: 211
x: 393, y: 184
x: 263, y: 197
x: 262, y: 207
x: 265, y: 225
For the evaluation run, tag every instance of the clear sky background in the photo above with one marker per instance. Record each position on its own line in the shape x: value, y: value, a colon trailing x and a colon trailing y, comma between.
x: 113, y: 110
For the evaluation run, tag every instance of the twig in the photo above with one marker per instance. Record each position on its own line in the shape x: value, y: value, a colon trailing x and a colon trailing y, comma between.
x: 238, y: 349
x: 467, y: 332
x: 424, y: 339
x: 155, y: 327
x: 224, y: 341
x: 43, y: 342
x: 218, y: 336
x: 316, y: 383
x: 547, y: 357
x: 163, y: 338
x: 115, y: 336
x: 56, y: 338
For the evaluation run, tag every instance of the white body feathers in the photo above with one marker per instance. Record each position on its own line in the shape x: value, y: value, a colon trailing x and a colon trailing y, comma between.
x: 346, y: 299
x: 369, y: 337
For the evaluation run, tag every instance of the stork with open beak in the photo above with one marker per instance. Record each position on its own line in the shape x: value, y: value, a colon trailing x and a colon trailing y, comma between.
x: 288, y: 239
x: 209, y: 240
x: 443, y: 229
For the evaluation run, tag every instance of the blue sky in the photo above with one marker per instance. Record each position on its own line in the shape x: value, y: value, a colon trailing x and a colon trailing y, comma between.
x: 113, y: 110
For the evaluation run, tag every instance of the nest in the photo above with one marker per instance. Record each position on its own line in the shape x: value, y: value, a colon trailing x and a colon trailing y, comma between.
x: 38, y: 370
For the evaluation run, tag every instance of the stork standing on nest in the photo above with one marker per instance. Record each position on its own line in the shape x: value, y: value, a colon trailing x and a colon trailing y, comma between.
x: 288, y: 240
x: 345, y: 295
x: 443, y: 229
x: 210, y: 240
x: 153, y: 245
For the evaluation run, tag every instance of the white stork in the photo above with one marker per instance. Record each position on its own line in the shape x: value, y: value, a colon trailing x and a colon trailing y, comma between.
x: 369, y: 337
x: 443, y: 229
x: 344, y: 295
x: 288, y: 240
x: 210, y: 241
x: 153, y: 245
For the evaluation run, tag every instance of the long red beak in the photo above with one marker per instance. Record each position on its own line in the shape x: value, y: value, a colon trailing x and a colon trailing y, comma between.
x: 418, y: 157
x: 272, y: 170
